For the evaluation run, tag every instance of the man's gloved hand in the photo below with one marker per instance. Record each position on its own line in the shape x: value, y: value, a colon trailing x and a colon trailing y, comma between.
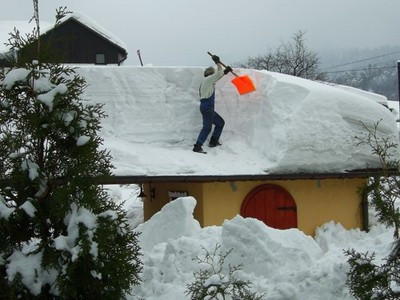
x: 215, y: 59
x: 227, y: 70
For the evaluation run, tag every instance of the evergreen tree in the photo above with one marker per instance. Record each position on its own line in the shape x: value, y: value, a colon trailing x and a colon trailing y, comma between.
x: 366, y: 279
x: 60, y: 235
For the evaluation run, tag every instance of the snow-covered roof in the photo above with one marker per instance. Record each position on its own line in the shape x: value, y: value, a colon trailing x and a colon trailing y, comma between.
x: 26, y: 27
x: 373, y: 96
x: 288, y: 125
x: 86, y: 21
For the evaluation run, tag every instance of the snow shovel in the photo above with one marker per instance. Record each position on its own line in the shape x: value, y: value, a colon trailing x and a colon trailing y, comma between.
x: 243, y: 83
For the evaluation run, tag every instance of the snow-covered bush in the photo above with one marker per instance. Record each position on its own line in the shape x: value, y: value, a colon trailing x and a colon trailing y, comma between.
x: 60, y: 235
x: 215, y: 281
x: 366, y: 279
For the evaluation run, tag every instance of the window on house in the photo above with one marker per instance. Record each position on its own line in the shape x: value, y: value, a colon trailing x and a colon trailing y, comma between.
x: 176, y: 194
x: 100, y: 59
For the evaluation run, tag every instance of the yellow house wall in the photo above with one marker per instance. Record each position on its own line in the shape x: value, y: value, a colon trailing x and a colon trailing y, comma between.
x: 318, y: 201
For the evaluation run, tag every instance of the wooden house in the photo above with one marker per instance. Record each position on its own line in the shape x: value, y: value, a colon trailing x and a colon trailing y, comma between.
x: 75, y: 39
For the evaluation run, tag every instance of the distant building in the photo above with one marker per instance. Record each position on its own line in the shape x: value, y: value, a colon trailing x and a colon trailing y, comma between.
x: 78, y: 40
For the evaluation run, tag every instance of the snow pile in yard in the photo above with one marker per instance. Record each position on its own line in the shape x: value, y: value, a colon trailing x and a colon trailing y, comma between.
x: 180, y: 223
x: 285, y: 264
x: 287, y: 125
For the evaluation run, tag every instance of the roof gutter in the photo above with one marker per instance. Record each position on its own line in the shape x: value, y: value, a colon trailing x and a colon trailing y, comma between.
x: 125, y: 56
x: 139, y: 179
x: 229, y: 178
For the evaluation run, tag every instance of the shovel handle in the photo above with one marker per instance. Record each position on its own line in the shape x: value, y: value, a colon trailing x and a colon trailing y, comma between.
x: 209, y: 53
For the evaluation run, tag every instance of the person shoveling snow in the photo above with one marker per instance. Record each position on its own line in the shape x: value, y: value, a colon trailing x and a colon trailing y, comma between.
x: 207, y: 104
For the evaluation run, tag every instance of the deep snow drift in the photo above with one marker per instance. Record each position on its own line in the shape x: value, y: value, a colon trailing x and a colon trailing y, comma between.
x: 287, y: 125
x: 285, y: 264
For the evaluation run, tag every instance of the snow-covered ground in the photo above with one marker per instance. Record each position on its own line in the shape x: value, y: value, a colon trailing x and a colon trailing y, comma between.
x: 283, y: 264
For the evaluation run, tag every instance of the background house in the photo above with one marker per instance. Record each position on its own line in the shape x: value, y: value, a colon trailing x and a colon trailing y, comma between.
x: 76, y: 39
x: 290, y: 156
x: 7, y: 27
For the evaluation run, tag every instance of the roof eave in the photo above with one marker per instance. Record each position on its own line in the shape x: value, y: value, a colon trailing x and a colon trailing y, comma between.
x: 102, y: 36
x: 245, y: 177
x: 140, y: 179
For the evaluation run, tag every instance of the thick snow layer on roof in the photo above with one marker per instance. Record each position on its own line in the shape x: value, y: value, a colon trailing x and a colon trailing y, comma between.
x: 85, y: 20
x: 288, y: 125
x: 378, y: 98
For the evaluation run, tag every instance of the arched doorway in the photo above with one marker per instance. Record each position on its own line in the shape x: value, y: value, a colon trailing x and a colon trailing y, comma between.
x: 271, y: 204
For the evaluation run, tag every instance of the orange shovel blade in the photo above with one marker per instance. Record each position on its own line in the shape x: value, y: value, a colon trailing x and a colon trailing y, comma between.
x: 243, y: 84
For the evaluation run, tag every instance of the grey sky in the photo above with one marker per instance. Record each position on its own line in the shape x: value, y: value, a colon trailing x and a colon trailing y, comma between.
x: 180, y: 32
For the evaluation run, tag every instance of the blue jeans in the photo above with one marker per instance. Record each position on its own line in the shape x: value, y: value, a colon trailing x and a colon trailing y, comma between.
x: 210, y: 117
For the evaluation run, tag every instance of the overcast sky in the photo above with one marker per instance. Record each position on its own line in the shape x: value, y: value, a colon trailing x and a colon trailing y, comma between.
x: 180, y: 32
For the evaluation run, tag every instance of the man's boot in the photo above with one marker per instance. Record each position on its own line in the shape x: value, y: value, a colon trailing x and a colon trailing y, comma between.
x: 197, y: 148
x: 214, y: 143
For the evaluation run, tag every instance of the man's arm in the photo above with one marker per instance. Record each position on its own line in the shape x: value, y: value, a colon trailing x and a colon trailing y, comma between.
x: 207, y: 87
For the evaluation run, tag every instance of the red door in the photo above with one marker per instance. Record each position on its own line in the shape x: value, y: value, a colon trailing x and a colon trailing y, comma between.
x: 271, y: 204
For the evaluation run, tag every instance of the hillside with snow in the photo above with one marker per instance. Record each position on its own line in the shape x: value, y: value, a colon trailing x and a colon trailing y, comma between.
x: 288, y: 125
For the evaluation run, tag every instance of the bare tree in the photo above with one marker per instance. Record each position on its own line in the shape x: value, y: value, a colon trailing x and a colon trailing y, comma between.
x: 293, y: 58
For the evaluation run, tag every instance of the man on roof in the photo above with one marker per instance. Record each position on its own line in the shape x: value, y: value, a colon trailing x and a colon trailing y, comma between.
x: 207, y: 104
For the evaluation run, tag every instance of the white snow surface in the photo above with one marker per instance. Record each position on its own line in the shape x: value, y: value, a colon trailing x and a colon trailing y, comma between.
x: 15, y: 76
x: 288, y: 125
x: 283, y: 264
x: 29, y: 209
